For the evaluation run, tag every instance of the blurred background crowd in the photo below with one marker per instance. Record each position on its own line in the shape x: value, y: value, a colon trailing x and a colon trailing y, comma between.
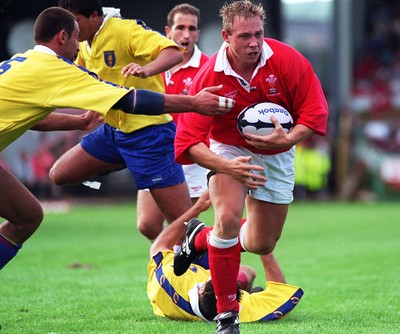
x: 354, y: 47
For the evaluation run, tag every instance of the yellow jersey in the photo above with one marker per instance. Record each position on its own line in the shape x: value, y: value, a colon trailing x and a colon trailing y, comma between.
x: 34, y: 83
x: 118, y: 43
x: 169, y: 294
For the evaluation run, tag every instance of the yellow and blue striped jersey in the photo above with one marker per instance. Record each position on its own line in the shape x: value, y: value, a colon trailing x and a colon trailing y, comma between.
x: 34, y: 83
x: 118, y: 43
x: 169, y: 296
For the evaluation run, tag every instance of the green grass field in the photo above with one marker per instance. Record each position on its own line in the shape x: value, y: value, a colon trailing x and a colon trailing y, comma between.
x: 85, y: 271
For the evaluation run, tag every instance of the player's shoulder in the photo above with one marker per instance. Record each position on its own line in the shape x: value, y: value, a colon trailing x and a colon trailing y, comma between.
x: 209, y: 61
x: 282, y: 49
x: 275, y: 45
x: 120, y: 23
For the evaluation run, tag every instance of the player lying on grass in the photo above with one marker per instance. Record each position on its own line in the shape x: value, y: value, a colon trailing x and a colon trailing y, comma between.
x: 38, y: 81
x: 191, y: 296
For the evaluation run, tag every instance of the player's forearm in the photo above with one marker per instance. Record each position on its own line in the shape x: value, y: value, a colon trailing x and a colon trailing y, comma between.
x: 146, y: 102
x: 59, y: 122
x: 167, y: 59
x: 299, y: 133
x: 179, y: 103
x: 202, y: 155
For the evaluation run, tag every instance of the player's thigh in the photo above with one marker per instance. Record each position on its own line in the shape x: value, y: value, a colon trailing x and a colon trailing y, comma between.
x: 265, y: 224
x: 227, y: 197
x: 17, y: 204
x: 147, y: 209
x: 173, y: 201
x: 76, y: 165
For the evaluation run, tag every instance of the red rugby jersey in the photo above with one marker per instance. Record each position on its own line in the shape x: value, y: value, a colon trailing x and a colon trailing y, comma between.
x: 285, y: 77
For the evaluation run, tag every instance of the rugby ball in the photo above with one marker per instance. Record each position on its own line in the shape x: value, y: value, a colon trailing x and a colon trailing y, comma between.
x: 256, y: 119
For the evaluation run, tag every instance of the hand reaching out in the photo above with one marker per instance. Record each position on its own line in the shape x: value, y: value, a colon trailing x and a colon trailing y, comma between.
x: 135, y: 70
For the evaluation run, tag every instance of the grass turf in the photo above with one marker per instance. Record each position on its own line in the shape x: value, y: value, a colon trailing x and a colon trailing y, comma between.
x: 85, y: 271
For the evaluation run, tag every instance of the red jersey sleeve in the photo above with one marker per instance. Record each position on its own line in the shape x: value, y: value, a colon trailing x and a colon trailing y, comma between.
x: 192, y: 129
x: 308, y: 103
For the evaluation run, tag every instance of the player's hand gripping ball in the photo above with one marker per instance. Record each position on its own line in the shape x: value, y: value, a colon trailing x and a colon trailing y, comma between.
x: 256, y: 119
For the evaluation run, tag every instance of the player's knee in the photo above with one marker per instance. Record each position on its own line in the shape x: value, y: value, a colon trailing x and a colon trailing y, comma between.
x: 261, y: 249
x: 265, y: 249
x: 150, y: 231
x: 36, y: 214
x: 56, y: 176
x: 30, y: 218
x: 229, y: 224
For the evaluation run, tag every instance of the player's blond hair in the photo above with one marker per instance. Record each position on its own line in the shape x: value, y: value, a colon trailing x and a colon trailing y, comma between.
x: 241, y: 8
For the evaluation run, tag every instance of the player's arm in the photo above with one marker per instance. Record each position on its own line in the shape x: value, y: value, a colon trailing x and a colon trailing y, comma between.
x: 168, y: 57
x: 168, y: 237
x: 240, y: 168
x: 63, y: 122
x: 273, y: 271
x: 147, y: 102
x: 279, y: 139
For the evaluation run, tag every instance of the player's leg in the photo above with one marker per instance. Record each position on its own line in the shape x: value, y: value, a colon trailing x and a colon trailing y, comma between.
x: 227, y: 196
x: 273, y: 271
x: 96, y: 154
x: 264, y: 225
x: 76, y: 166
x: 172, y: 201
x: 23, y: 214
x: 267, y: 206
x: 150, y: 220
x: 149, y: 155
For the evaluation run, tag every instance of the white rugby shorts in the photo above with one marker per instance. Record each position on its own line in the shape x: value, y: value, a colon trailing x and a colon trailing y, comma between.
x: 196, y: 178
x: 278, y: 169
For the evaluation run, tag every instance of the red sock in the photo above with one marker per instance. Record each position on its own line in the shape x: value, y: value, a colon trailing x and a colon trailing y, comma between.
x: 224, y: 266
x: 201, y: 241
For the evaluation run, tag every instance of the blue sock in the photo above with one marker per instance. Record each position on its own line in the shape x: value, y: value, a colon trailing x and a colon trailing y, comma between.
x: 7, y: 251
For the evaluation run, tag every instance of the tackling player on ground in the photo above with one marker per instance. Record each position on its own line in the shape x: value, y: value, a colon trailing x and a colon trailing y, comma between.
x: 191, y: 296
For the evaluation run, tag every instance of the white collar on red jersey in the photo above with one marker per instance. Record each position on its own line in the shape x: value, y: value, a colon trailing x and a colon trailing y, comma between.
x: 222, y: 62
x: 194, y: 61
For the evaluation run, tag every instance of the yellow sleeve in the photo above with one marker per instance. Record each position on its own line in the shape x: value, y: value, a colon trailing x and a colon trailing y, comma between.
x: 276, y: 301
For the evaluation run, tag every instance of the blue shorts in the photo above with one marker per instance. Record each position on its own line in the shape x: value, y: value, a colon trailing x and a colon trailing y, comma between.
x: 148, y: 153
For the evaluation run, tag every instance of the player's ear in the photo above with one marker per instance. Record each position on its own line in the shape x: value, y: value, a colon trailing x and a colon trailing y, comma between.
x: 94, y: 15
x: 62, y: 37
x: 167, y: 30
x: 225, y: 35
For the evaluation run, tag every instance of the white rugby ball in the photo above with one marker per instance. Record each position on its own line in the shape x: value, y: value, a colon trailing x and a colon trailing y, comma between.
x: 256, y: 119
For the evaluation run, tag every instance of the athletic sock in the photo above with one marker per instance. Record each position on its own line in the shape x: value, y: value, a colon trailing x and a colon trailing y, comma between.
x: 201, y: 240
x: 224, y: 266
x: 8, y: 250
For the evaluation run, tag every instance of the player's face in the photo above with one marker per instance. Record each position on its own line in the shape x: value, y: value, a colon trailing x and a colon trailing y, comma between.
x: 85, y: 26
x: 245, y: 40
x: 71, y: 48
x: 184, y: 31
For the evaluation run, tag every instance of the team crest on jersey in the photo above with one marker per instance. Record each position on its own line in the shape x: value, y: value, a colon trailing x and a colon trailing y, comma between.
x: 271, y: 80
x: 109, y: 58
x: 187, y: 82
